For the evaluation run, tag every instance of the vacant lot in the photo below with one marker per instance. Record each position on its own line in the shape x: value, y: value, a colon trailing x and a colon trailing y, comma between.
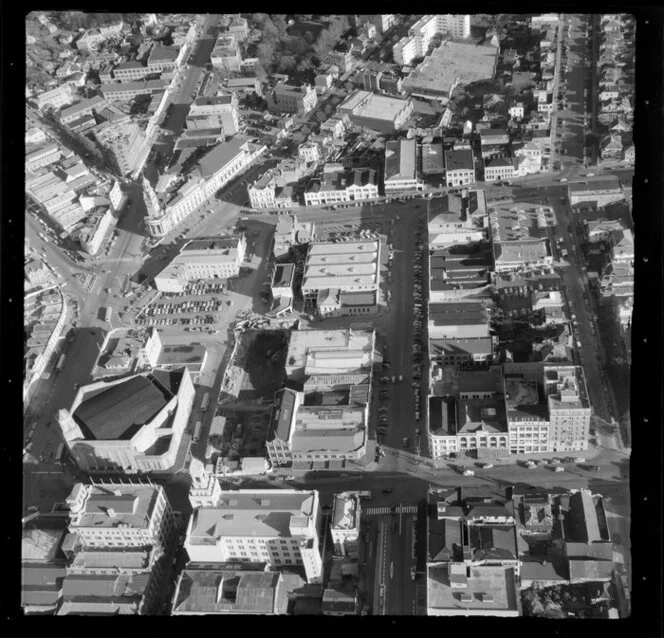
x: 262, y: 355
x: 244, y: 435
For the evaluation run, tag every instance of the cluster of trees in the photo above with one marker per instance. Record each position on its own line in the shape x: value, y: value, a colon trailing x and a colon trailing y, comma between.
x: 74, y: 20
x: 283, y: 53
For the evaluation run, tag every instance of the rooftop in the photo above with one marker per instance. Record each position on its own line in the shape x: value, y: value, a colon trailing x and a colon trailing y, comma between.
x: 226, y: 591
x: 283, y: 275
x: 449, y: 63
x: 450, y: 314
x: 523, y: 400
x: 459, y: 160
x: 117, y: 412
x: 373, y: 105
x: 485, y: 590
x: 255, y: 513
x: 400, y: 160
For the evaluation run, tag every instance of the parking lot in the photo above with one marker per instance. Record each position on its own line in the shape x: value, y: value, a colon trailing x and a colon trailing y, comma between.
x: 200, y: 307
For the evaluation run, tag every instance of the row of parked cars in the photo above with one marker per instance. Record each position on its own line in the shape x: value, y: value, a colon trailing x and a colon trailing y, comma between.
x: 185, y: 306
x: 418, y: 319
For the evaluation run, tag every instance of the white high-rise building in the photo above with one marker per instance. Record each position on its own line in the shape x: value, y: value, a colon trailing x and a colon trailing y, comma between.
x: 417, y: 42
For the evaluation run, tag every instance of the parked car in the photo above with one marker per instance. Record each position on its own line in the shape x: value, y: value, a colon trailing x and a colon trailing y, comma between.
x: 468, y: 473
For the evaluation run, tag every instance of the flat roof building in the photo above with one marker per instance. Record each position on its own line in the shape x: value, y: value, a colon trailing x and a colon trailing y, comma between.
x: 383, y: 113
x: 274, y: 527
x: 349, y: 266
x: 450, y: 65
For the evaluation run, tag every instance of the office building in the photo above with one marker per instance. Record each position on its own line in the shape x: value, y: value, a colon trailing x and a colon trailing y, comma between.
x: 211, y: 258
x: 125, y: 91
x: 285, y: 98
x: 280, y: 528
x: 215, y: 112
x: 450, y: 224
x: 527, y: 415
x: 338, y: 184
x: 401, y: 172
x: 128, y: 425
x: 84, y: 107
x: 238, y: 28
x: 600, y: 191
x: 568, y: 406
x: 162, y: 59
x: 131, y: 71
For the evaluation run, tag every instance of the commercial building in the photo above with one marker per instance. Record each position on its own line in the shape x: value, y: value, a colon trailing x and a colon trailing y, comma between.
x: 341, y: 56
x: 459, y: 167
x: 125, y: 91
x: 601, y: 191
x: 221, y: 111
x: 401, y: 167
x: 527, y: 418
x: 226, y: 54
x: 450, y: 224
x: 211, y: 258
x: 338, y: 184
x: 243, y: 85
x: 452, y: 64
x: 285, y: 98
x: 280, y: 528
x: 326, y: 422
x: 239, y: 28
x: 382, y: 113
x: 128, y: 425
x: 242, y: 590
x: 345, y: 524
x: 123, y: 145
x: 131, y: 71
x: 95, y: 229
x: 462, y: 319
x: 498, y: 168
x: 223, y: 163
x: 352, y: 266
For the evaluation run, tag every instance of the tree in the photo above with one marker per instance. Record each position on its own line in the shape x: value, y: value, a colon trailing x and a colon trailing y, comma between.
x: 265, y: 52
x: 286, y: 63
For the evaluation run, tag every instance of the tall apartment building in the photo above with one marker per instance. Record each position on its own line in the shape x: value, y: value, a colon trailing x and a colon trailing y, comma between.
x: 215, y: 112
x: 569, y: 408
x: 419, y: 37
x: 123, y: 145
x: 279, y: 527
x: 285, y: 98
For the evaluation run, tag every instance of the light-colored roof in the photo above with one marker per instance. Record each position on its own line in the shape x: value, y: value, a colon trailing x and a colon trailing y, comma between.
x: 400, y: 160
x: 256, y: 513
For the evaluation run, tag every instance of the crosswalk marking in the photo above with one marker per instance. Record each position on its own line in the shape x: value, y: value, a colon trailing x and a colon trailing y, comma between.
x: 400, y: 509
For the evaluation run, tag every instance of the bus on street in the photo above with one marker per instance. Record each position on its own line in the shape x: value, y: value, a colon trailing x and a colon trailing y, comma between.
x: 61, y: 362
x: 206, y: 400
x: 197, y: 431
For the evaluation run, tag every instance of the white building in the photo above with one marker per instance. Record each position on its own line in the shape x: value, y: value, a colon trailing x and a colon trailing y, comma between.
x: 345, y: 523
x: 220, y: 111
x: 262, y: 192
x: 43, y: 157
x: 401, y: 167
x: 95, y: 229
x: 129, y: 425
x: 498, y: 168
x: 55, y: 98
x: 212, y: 258
x: 279, y: 527
x: 309, y: 152
x: 285, y: 98
x: 569, y: 408
x: 214, y: 170
x: 338, y: 184
x: 119, y: 516
x: 352, y: 266
x: 516, y: 110
x: 419, y: 37
x: 459, y: 167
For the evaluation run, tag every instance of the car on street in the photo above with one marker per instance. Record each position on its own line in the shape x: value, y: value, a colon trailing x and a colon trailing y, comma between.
x: 387, y: 490
x: 468, y: 473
